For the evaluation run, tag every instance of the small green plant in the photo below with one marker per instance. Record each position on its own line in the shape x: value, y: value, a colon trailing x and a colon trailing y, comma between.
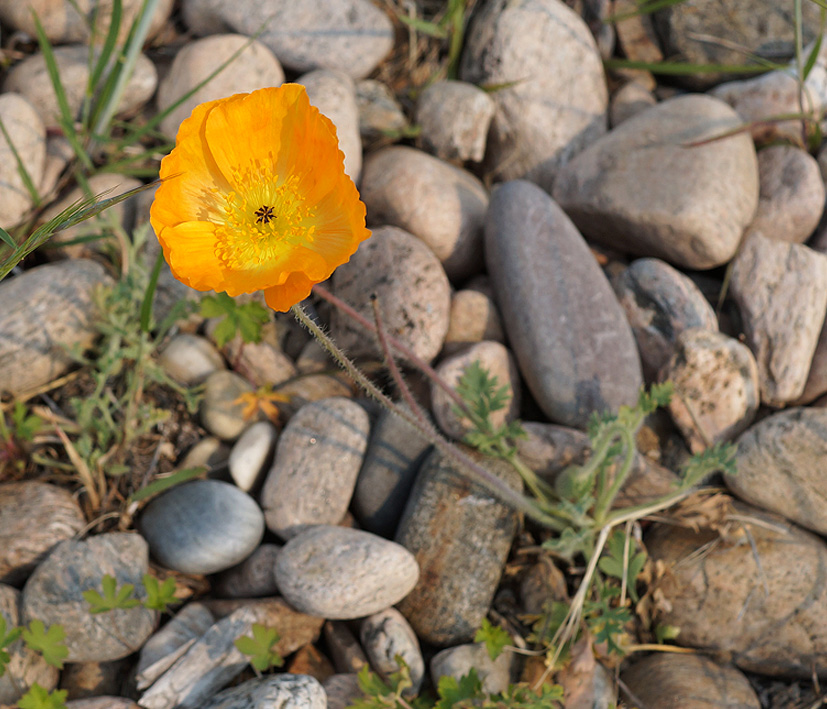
x: 159, y: 596
x: 495, y: 638
x: 47, y: 641
x: 260, y: 647
x: 244, y: 319
x: 16, y: 434
x: 39, y: 698
x: 450, y: 25
x: 6, y: 639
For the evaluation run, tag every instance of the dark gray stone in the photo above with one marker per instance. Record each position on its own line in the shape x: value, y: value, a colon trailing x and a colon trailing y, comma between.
x: 574, y: 346
x: 202, y: 527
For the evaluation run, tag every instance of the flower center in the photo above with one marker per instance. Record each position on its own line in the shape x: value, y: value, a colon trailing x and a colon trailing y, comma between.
x: 263, y: 219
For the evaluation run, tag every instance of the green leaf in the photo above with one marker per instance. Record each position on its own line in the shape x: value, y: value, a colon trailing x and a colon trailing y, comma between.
x: 666, y: 632
x: 381, y: 695
x: 6, y: 639
x: 522, y: 696
x: 161, y: 484
x: 159, y: 596
x: 39, y: 698
x: 48, y: 642
x: 424, y: 26
x: 259, y: 647
x: 7, y: 238
x: 452, y: 692
x: 611, y: 563
x: 25, y: 425
x: 225, y: 331
x: 494, y: 637
x: 112, y: 598
x: 214, y: 306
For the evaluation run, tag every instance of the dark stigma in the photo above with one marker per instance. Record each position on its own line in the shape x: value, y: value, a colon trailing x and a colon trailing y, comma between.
x: 264, y: 214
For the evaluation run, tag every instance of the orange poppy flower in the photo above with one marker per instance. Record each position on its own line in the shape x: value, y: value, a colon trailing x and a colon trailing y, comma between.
x: 254, y: 196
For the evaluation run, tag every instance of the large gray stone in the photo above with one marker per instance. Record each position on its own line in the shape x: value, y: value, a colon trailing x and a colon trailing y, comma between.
x: 552, y: 97
x: 644, y: 189
x: 574, y: 346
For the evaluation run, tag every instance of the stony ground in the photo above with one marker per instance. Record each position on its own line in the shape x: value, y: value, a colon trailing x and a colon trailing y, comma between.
x: 579, y: 228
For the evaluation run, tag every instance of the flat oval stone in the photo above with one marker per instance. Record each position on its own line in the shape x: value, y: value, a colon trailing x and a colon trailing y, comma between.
x: 660, y: 303
x: 254, y: 67
x: 781, y: 293
x: 662, y: 678
x: 317, y: 460
x: 538, y: 124
x: 47, y: 309
x: 433, y: 200
x: 791, y: 198
x: 34, y: 516
x: 222, y: 413
x: 772, y: 621
x: 202, y: 527
x: 285, y: 691
x: 639, y: 189
x: 385, y: 635
x: 779, y: 466
x: 716, y: 387
x: 413, y: 292
x: 190, y: 359
x: 460, y: 536
x: 28, y: 136
x: 54, y: 594
x: 499, y: 363
x: 252, y: 454
x: 25, y: 667
x: 576, y: 354
x: 341, y: 573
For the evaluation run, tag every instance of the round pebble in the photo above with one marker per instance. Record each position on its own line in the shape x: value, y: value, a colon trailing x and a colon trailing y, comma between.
x: 255, y: 577
x: 285, y: 691
x: 386, y: 635
x: 379, y: 111
x: 54, y: 595
x: 317, y: 460
x: 202, y: 527
x: 340, y: 573
x: 190, y: 359
x: 412, y: 289
x: 222, y: 413
x: 252, y: 455
x: 474, y: 318
x: 458, y: 661
x: 433, y: 200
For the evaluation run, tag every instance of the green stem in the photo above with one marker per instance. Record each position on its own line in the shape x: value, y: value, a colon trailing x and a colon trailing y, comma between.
x: 605, y: 499
x: 484, y: 477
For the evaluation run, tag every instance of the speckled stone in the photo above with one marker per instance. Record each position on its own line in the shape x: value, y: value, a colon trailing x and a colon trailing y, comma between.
x: 771, y: 621
x: 34, y: 516
x: 386, y: 635
x: 474, y: 318
x: 779, y: 466
x: 379, y: 111
x: 317, y: 460
x: 221, y: 412
x: 792, y: 194
x: 499, y: 363
x: 412, y: 289
x: 28, y: 136
x: 342, y: 690
x: 695, y: 680
x: 54, y: 594
x: 433, y: 200
x: 202, y: 527
x: 458, y: 661
x: 24, y: 667
x: 254, y: 67
x: 716, y: 387
x: 285, y: 691
x: 639, y: 189
x: 455, y: 116
x: 577, y: 354
x: 630, y: 99
x: 460, y: 536
x: 252, y: 455
x: 341, y: 573
x: 781, y: 292
x: 538, y: 124
x: 549, y: 449
x: 660, y: 302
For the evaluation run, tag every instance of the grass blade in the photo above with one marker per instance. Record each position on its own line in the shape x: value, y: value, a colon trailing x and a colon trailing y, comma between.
x: 646, y: 8
x: 813, y: 56
x: 28, y: 183
x: 7, y: 238
x: 146, y: 304
x: 688, y: 69
x: 102, y: 62
x: 157, y: 486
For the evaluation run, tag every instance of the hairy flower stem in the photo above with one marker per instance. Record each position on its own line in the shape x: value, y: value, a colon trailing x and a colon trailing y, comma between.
x: 484, y: 477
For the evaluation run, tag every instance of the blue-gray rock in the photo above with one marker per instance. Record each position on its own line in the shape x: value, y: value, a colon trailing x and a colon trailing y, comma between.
x: 643, y: 190
x: 317, y: 460
x: 341, y: 573
x: 386, y: 635
x: 460, y: 536
x: 54, y: 594
x: 255, y: 577
x: 574, y: 346
x: 202, y: 527
x: 393, y: 456
x: 285, y: 691
x: 660, y: 303
x: 539, y: 123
